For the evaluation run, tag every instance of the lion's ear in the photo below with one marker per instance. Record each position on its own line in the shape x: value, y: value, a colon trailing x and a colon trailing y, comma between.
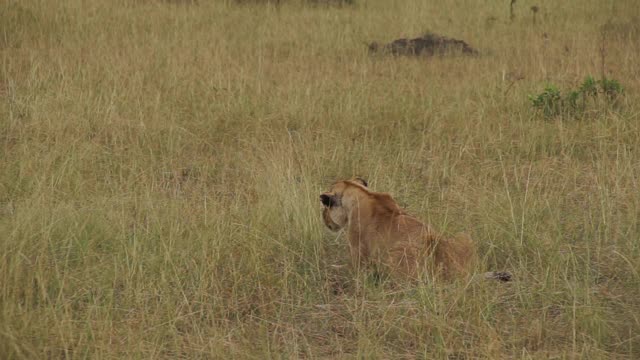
x: 328, y: 200
x: 361, y: 181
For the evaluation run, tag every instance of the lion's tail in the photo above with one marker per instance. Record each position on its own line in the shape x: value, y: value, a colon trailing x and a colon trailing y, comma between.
x: 502, y: 276
x: 457, y: 256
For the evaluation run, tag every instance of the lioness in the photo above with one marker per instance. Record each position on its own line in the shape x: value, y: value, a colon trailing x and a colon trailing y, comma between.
x: 382, y: 234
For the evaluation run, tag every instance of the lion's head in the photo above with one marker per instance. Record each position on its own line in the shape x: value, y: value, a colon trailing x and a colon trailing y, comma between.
x: 336, y: 208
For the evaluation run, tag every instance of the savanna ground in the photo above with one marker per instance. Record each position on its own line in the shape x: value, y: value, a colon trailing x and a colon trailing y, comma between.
x: 161, y: 161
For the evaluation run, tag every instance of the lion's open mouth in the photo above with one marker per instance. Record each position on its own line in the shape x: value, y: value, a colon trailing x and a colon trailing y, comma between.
x: 327, y: 200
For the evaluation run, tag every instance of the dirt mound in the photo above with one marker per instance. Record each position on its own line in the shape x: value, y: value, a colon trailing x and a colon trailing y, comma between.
x: 429, y: 44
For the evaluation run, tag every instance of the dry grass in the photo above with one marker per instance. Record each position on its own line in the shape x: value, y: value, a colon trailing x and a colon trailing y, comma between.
x: 161, y: 163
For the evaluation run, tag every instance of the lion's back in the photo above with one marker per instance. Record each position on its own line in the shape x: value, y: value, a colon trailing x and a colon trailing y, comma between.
x: 456, y: 255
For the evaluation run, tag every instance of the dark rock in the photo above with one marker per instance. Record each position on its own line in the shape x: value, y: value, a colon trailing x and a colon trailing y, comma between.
x: 429, y: 44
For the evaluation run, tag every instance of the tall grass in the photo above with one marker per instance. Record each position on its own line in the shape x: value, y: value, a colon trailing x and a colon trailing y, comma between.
x: 160, y: 165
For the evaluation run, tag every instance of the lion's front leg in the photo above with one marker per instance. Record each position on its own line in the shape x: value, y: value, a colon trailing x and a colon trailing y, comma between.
x: 359, y: 254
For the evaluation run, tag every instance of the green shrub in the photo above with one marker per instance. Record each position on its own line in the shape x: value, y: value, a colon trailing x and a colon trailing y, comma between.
x: 549, y: 101
x: 591, y: 95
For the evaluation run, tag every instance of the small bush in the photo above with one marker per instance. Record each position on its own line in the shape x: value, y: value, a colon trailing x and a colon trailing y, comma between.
x: 591, y: 95
x: 549, y: 101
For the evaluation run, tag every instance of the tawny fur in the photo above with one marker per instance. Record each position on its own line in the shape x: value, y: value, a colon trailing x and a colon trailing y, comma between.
x: 382, y: 234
